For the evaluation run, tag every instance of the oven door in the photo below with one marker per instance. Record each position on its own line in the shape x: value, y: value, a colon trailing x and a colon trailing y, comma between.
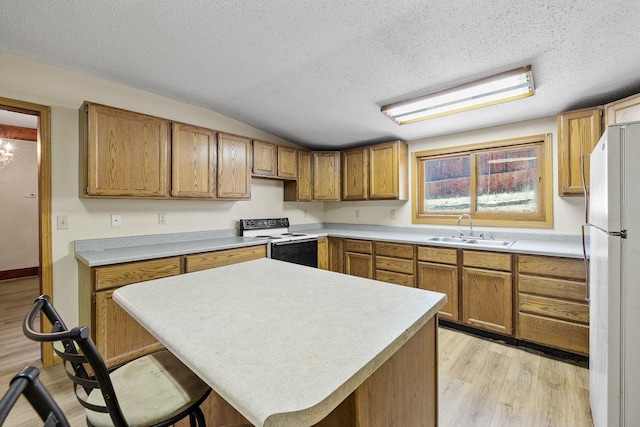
x: 303, y: 252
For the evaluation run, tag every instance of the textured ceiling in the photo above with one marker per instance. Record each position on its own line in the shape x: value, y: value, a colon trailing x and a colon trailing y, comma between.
x: 316, y: 72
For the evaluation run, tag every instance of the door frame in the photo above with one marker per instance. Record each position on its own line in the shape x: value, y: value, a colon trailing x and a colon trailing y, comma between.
x: 44, y: 202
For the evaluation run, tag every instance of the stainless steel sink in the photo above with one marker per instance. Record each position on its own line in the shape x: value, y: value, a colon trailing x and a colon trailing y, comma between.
x: 483, y: 242
x: 469, y: 241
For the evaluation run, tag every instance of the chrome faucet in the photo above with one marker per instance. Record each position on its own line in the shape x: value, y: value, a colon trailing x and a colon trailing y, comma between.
x: 470, y: 223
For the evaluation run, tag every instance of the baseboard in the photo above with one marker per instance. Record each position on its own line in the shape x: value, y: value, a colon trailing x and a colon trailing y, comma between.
x: 19, y: 273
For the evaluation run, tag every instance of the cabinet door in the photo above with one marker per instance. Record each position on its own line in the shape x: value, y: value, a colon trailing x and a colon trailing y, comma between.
x: 578, y: 133
x: 357, y: 264
x: 623, y: 111
x: 118, y: 337
x: 388, y: 173
x: 444, y: 279
x: 300, y: 190
x: 126, y: 153
x: 326, y: 176
x: 265, y: 159
x: 287, y: 162
x: 336, y: 255
x: 323, y: 253
x: 487, y: 300
x: 234, y: 167
x: 193, y: 161
x: 355, y: 174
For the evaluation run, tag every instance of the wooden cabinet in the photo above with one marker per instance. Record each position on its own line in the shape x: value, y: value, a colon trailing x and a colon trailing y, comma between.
x: 206, y: 260
x: 487, y: 289
x: 438, y: 271
x: 274, y: 161
x: 287, y: 162
x: 326, y: 176
x: 126, y: 154
x: 193, y: 162
x: 623, y: 110
x: 234, y: 167
x: 265, y: 159
x: 355, y: 174
x: 388, y: 171
x: 301, y: 190
x: 551, y: 302
x: 395, y: 263
x: 336, y: 254
x: 106, y: 319
x: 323, y: 253
x: 358, y: 258
x: 578, y: 133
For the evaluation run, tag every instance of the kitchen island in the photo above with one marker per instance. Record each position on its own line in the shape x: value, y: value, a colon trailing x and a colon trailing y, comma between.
x: 288, y: 345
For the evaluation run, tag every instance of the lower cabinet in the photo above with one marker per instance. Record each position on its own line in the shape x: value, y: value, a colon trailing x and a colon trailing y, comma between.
x: 206, y: 260
x: 395, y: 263
x: 336, y: 254
x: 323, y: 253
x: 487, y: 289
x: 551, y: 302
x: 358, y: 258
x: 438, y: 272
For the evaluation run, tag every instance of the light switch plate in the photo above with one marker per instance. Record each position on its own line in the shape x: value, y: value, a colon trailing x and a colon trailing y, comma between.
x: 63, y: 222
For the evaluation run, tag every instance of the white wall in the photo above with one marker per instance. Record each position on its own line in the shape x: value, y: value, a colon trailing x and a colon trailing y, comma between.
x: 568, y: 213
x: 64, y: 91
x: 19, y: 214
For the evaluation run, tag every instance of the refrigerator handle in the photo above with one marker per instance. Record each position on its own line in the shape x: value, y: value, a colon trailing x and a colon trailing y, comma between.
x: 586, y: 263
x: 585, y: 191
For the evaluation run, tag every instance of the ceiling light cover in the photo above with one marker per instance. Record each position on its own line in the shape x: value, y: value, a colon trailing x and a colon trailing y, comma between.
x: 503, y: 87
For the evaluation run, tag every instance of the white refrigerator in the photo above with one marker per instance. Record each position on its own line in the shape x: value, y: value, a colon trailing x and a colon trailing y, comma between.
x: 614, y: 278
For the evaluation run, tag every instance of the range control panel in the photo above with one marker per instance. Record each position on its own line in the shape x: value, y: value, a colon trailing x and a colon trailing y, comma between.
x: 257, y: 224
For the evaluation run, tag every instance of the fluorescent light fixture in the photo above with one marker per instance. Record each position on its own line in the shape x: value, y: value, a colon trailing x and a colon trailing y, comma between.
x: 503, y: 87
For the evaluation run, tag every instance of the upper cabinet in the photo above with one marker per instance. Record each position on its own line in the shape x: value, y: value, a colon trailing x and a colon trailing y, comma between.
x: 126, y: 153
x: 388, y: 173
x: 234, y: 167
x: 287, y: 162
x: 193, y: 162
x: 326, y: 176
x: 300, y: 190
x: 355, y: 174
x: 265, y: 159
x: 623, y: 111
x: 578, y: 133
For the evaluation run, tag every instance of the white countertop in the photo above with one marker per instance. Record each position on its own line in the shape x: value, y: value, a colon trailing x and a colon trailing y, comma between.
x: 284, y: 344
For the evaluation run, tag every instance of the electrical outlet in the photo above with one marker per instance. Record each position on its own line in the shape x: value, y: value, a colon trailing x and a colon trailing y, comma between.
x: 305, y: 213
x: 63, y: 222
x: 161, y: 219
x: 357, y: 213
x: 392, y: 214
x: 116, y: 220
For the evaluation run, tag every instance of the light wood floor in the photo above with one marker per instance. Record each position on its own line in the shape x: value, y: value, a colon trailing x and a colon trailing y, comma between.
x: 482, y: 383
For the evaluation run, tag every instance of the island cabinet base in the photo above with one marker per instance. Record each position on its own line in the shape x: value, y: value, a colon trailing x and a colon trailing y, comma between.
x: 401, y: 392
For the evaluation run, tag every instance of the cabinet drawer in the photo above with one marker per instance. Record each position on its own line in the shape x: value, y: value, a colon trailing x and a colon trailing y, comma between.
x: 487, y: 260
x: 215, y: 259
x: 397, y: 278
x: 124, y: 274
x: 548, y: 286
x: 394, y: 264
x: 550, y: 307
x: 361, y: 246
x: 394, y: 250
x: 555, y: 267
x: 439, y: 255
x: 554, y: 333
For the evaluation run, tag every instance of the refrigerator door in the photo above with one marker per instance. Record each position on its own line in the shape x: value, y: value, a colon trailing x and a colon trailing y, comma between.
x: 605, y: 172
x: 604, y: 328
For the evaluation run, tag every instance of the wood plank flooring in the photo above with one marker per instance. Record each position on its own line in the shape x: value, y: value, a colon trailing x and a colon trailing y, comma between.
x: 482, y: 383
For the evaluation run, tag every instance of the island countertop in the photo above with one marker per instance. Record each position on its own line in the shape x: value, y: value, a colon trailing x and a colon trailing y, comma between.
x: 282, y: 343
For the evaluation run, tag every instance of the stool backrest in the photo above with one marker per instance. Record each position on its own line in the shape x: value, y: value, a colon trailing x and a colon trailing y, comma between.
x: 26, y: 383
x: 82, y: 361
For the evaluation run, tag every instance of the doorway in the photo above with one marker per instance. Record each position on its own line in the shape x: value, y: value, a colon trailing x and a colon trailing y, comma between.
x: 43, y: 155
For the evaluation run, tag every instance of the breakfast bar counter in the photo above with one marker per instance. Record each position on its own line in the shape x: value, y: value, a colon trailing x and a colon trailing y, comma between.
x: 288, y: 345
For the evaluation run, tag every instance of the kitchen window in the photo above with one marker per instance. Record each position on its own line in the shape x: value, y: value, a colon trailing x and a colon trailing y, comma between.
x: 500, y: 183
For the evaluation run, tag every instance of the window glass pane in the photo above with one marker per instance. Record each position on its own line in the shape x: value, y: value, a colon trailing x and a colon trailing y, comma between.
x: 508, y: 181
x: 447, y: 184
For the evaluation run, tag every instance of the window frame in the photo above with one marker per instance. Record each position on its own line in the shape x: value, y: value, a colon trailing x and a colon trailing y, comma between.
x: 541, y: 219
